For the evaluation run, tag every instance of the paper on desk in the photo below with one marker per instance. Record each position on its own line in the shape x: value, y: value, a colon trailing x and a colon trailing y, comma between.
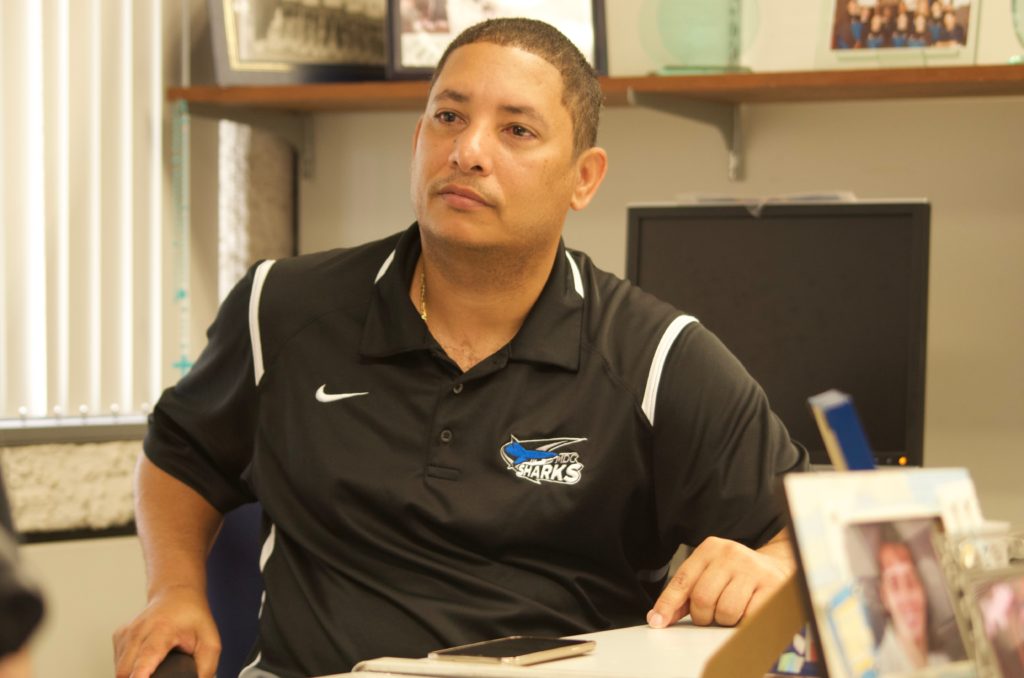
x: 680, y: 651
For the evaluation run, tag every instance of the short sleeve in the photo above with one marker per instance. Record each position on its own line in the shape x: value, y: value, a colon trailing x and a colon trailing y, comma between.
x: 202, y: 430
x: 718, y: 448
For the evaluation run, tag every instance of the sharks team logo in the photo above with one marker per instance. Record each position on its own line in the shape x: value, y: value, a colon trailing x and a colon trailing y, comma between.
x: 543, y: 461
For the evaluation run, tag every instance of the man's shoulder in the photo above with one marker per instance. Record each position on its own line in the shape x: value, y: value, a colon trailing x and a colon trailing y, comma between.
x: 625, y: 324
x: 618, y: 308
x: 343, y: 265
x: 300, y: 290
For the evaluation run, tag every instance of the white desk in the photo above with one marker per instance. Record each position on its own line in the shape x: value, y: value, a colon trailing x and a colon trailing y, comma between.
x: 680, y: 651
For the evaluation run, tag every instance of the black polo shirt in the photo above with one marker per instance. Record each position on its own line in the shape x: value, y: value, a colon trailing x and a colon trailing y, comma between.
x: 411, y: 506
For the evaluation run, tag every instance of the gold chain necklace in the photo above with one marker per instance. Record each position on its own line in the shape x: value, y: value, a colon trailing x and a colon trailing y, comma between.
x: 423, y: 295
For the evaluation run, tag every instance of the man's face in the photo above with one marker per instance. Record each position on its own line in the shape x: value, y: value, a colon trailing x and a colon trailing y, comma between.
x: 493, y: 166
x: 901, y: 591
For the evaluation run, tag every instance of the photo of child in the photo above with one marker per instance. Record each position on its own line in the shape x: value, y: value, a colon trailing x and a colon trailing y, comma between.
x: 905, y: 594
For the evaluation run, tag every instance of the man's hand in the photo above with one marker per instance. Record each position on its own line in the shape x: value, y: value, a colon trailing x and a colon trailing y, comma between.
x: 176, y: 618
x: 723, y: 580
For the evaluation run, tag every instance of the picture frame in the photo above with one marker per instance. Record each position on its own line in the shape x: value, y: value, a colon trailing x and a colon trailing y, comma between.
x: 420, y: 30
x: 996, y: 601
x: 878, y: 34
x: 853, y: 532
x: 276, y: 42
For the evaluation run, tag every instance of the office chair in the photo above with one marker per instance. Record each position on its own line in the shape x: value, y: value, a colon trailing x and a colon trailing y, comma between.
x: 233, y: 587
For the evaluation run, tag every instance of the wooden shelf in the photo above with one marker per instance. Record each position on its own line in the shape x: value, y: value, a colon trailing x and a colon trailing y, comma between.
x: 711, y: 99
x: 734, y: 88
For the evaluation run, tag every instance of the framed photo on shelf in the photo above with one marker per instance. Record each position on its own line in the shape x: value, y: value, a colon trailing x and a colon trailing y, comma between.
x: 420, y: 30
x: 898, y: 33
x: 880, y: 600
x: 270, y: 42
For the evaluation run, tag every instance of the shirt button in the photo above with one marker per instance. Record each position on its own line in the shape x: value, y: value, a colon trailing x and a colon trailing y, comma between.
x: 457, y: 389
x: 446, y: 436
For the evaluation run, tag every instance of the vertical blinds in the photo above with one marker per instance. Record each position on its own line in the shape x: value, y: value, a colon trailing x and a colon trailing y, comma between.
x: 81, y: 204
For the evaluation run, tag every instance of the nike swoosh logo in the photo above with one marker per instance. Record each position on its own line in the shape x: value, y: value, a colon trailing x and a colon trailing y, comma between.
x: 323, y: 396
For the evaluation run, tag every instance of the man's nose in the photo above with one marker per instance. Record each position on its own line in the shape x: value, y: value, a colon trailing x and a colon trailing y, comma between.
x: 471, y: 150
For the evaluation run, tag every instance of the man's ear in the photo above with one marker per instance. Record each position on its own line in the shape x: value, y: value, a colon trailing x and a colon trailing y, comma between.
x: 591, y: 167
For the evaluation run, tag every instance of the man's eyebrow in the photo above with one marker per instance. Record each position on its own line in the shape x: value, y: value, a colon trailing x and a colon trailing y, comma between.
x: 451, y: 95
x: 514, y: 109
x: 525, y: 111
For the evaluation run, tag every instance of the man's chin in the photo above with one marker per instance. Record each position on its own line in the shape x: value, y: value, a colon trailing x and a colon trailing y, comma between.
x: 456, y: 233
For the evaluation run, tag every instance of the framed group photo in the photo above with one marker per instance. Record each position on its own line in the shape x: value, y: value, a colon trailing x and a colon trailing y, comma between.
x: 866, y: 33
x: 420, y: 30
x: 296, y: 41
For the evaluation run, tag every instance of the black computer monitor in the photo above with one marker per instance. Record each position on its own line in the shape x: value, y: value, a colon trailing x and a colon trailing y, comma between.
x: 809, y: 296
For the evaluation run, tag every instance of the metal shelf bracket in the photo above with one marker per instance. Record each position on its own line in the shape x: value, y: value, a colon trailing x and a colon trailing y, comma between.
x: 725, y: 117
x: 295, y: 129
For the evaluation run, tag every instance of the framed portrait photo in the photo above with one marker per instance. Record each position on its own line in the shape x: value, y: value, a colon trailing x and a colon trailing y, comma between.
x: 898, y: 33
x: 879, y: 598
x: 420, y: 30
x: 269, y: 42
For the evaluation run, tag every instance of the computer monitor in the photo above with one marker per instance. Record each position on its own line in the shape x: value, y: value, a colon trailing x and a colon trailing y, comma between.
x: 809, y: 297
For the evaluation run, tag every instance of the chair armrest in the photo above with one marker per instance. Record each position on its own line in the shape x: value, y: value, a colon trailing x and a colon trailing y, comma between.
x: 177, y: 664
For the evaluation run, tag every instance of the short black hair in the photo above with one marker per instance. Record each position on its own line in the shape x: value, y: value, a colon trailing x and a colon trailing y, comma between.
x: 581, y: 91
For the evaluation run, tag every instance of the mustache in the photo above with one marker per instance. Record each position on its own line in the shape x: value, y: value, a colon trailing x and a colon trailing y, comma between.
x: 462, y: 181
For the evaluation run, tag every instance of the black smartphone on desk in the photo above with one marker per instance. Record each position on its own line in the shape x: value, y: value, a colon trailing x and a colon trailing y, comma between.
x: 516, y: 650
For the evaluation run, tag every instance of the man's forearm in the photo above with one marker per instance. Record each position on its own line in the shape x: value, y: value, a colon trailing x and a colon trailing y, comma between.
x: 176, y: 528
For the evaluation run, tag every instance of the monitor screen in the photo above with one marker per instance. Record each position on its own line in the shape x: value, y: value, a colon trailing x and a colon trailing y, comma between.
x: 809, y: 297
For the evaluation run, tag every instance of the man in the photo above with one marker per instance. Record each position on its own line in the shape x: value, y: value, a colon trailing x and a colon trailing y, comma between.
x: 452, y: 431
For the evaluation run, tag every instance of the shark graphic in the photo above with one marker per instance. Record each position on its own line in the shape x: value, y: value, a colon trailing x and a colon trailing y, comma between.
x: 548, y: 460
x: 520, y: 454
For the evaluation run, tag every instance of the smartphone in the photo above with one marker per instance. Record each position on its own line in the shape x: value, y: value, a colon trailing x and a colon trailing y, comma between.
x: 517, y: 650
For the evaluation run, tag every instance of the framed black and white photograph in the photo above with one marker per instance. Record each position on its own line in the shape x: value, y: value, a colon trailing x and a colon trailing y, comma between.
x: 259, y: 42
x: 420, y: 30
x: 866, y: 33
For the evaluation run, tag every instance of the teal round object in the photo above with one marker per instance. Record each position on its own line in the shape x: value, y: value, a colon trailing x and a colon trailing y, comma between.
x: 1018, y: 25
x: 696, y: 35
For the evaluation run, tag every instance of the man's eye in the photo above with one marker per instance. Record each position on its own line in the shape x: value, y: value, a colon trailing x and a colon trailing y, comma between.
x: 520, y: 131
x: 447, y: 116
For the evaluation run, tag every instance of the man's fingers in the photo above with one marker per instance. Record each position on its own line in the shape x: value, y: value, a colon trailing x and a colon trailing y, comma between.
x: 206, y: 656
x: 734, y: 602
x: 759, y: 598
x: 124, y: 652
x: 151, y: 653
x: 704, y: 598
x: 674, y: 602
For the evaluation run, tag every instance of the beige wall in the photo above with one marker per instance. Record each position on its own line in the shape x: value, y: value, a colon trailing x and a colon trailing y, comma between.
x: 92, y: 586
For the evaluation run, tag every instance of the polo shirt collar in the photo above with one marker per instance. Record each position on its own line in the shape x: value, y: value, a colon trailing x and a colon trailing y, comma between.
x: 551, y: 333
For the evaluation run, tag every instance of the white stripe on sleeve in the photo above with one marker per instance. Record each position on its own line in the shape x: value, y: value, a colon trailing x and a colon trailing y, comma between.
x: 658, y: 363
x: 254, y: 317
